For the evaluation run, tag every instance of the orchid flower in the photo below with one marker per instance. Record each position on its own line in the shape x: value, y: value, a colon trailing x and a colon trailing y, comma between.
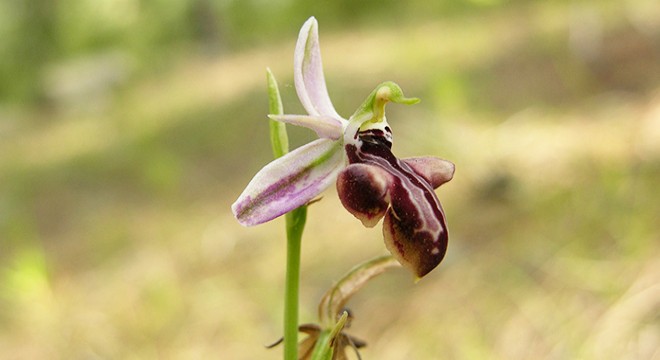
x: 372, y: 183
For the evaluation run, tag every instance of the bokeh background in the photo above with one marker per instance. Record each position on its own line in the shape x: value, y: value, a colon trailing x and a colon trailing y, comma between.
x: 128, y: 127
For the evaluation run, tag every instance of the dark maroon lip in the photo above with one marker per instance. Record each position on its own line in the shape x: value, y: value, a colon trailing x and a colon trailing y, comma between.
x: 415, y: 221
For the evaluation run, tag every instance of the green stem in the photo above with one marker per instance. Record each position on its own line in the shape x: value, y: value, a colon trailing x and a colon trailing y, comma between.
x: 295, y: 223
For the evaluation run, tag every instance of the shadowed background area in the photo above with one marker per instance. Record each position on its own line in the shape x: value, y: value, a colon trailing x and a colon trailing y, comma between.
x: 127, y: 128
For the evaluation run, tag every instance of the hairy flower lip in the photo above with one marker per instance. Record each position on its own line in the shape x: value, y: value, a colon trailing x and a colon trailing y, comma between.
x: 414, y: 229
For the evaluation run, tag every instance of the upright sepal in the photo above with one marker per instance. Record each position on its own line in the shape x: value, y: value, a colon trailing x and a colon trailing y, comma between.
x: 308, y: 72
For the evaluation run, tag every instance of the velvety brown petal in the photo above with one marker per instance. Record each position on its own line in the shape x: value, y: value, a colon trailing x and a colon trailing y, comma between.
x: 363, y: 190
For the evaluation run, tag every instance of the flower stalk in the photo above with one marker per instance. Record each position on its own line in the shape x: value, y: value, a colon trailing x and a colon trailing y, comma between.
x: 295, y: 224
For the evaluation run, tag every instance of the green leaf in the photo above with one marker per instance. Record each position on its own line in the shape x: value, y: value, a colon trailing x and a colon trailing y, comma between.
x: 327, y: 341
x: 336, y: 298
x: 279, y: 139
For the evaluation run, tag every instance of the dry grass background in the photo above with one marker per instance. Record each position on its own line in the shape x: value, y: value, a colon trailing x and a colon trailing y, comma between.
x: 120, y: 243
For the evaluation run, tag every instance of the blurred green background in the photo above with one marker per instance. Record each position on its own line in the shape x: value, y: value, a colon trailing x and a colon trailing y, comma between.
x: 128, y: 127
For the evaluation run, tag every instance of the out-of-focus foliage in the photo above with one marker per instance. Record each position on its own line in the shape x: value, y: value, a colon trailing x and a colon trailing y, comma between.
x: 37, y: 33
x: 127, y: 128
